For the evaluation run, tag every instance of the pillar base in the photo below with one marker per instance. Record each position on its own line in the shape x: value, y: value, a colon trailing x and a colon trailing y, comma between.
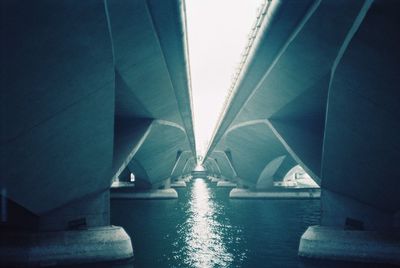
x: 178, y: 184
x: 226, y: 184
x: 99, y: 244
x: 348, y: 245
x: 146, y: 194
x: 122, y: 184
x: 213, y: 179
x: 313, y: 193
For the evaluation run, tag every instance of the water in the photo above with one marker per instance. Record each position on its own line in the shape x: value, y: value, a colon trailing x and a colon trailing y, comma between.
x: 204, y: 228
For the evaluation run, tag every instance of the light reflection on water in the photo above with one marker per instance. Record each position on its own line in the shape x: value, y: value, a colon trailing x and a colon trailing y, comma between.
x: 203, y: 239
x: 204, y: 228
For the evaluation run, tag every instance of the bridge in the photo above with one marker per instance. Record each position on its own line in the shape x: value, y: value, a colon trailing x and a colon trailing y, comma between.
x: 318, y: 88
x: 98, y: 91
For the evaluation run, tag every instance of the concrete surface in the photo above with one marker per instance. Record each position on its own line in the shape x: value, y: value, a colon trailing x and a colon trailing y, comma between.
x: 238, y: 193
x: 124, y: 184
x: 89, y: 90
x: 178, y: 184
x: 348, y: 245
x: 39, y: 249
x: 322, y: 82
x: 149, y: 194
x: 226, y: 184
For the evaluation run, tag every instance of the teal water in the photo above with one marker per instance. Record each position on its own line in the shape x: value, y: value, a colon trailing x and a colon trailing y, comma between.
x: 204, y: 228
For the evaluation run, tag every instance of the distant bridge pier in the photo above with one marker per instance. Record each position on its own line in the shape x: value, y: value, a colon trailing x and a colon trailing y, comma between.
x: 156, y: 156
x: 142, y: 188
x: 184, y: 160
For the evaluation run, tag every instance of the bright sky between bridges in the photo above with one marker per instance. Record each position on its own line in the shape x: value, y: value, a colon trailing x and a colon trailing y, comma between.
x: 217, y: 34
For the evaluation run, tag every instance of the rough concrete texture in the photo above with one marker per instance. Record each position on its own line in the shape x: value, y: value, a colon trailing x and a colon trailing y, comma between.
x: 109, y: 243
x: 149, y: 194
x: 277, y: 193
x: 350, y: 245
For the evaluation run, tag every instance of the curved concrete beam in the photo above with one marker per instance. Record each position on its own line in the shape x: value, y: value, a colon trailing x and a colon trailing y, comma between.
x: 215, y: 165
x: 283, y: 21
x: 157, y: 155
x: 189, y: 166
x: 208, y: 168
x: 152, y: 75
x: 212, y: 167
x: 129, y: 136
x: 287, y: 164
x: 224, y: 164
x: 180, y: 163
x: 266, y: 179
x: 253, y: 145
x: 169, y: 20
x: 291, y: 93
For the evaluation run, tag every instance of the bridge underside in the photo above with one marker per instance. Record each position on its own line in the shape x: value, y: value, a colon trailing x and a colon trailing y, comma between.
x: 90, y: 92
x: 320, y: 90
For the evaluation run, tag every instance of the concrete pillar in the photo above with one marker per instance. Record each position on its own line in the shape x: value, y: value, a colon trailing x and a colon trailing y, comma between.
x: 58, y: 108
x: 142, y: 188
x: 265, y: 187
x: 360, y: 198
x: 76, y: 233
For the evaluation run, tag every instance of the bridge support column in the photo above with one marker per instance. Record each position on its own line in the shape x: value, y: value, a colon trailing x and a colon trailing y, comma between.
x: 352, y: 231
x: 266, y: 188
x: 144, y: 190
x: 178, y: 182
x: 76, y: 233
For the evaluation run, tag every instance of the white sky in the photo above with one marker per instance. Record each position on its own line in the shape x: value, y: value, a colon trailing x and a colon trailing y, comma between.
x: 217, y: 35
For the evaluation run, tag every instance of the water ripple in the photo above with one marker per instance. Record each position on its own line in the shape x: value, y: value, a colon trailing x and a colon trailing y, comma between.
x: 202, y: 232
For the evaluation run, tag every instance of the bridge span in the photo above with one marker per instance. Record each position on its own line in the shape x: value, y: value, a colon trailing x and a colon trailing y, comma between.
x: 318, y: 88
